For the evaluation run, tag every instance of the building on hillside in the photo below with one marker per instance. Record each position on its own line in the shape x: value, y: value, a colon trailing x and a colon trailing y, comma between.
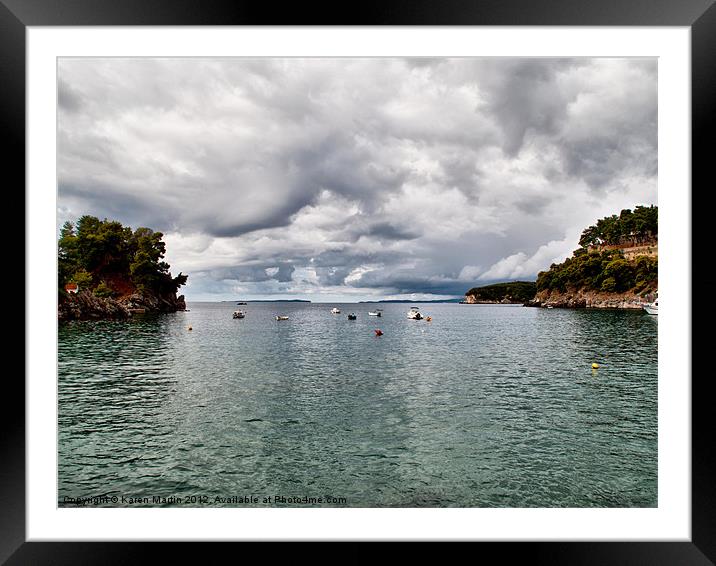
x: 631, y: 249
x: 72, y: 288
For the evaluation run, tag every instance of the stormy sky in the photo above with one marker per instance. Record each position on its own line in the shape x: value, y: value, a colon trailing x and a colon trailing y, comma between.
x: 351, y: 179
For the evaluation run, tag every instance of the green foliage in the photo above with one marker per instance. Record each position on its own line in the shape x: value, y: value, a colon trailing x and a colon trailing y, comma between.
x: 608, y: 270
x: 639, y: 225
x: 622, y: 272
x: 609, y: 285
x: 179, y: 280
x: 103, y: 290
x: 82, y: 278
x: 104, y: 250
x: 601, y: 271
x: 66, y: 254
x: 521, y: 291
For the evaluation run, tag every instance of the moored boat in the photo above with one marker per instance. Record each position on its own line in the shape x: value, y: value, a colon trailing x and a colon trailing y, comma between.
x: 352, y: 316
x: 376, y: 312
x: 280, y: 317
x: 414, y: 313
x: 335, y: 310
x: 651, y: 308
x: 239, y: 314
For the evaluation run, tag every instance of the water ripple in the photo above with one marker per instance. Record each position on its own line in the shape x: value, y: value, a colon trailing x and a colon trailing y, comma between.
x: 486, y: 406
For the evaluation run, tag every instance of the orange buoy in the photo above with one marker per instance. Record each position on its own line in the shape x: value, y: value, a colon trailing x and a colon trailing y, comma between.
x: 429, y: 319
x: 378, y: 332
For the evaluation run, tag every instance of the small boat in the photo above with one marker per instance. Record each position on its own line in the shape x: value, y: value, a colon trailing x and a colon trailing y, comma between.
x: 239, y: 314
x: 378, y: 332
x: 279, y: 317
x: 352, y: 316
x: 240, y: 303
x: 550, y: 307
x: 414, y: 313
x: 652, y: 308
x: 376, y: 312
x: 335, y: 310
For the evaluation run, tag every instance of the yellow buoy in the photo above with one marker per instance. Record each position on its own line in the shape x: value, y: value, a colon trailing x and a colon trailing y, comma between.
x: 595, y: 366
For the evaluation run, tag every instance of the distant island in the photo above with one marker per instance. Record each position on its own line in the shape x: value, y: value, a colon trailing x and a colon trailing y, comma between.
x: 514, y: 292
x: 106, y: 270
x: 270, y: 301
x: 616, y: 265
x: 409, y: 301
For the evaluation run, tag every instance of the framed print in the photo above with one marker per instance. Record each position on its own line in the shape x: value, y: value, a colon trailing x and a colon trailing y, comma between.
x: 295, y: 259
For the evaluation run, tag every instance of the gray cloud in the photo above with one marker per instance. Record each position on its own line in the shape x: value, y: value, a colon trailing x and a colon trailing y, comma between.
x: 356, y: 176
x: 68, y: 99
x: 269, y: 271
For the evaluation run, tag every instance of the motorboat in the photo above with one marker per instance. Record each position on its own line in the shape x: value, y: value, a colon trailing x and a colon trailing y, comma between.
x: 652, y: 308
x: 239, y: 314
x: 352, y: 316
x: 280, y: 317
x: 376, y: 312
x: 335, y: 310
x: 414, y: 313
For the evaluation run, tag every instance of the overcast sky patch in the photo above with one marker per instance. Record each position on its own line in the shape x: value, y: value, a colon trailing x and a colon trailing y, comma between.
x: 356, y: 178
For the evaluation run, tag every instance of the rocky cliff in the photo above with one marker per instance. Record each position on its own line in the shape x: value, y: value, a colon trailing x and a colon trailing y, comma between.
x: 473, y: 300
x: 87, y: 306
x: 589, y: 298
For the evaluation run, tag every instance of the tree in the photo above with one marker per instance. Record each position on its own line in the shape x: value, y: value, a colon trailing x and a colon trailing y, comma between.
x: 103, y: 290
x: 67, y: 263
x: 635, y: 226
x: 103, y: 250
x: 622, y: 271
x: 82, y: 278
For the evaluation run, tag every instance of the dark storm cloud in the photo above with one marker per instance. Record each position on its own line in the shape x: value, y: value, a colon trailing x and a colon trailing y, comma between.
x: 406, y: 281
x: 104, y: 201
x: 388, y: 231
x: 334, y: 275
x: 595, y: 159
x: 525, y: 96
x: 413, y: 175
x: 256, y: 273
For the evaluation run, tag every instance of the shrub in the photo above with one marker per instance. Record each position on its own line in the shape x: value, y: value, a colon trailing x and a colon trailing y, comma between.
x: 103, y: 290
x: 82, y: 278
x: 609, y: 284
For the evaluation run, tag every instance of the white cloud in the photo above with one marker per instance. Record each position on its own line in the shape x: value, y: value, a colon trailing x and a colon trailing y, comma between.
x: 356, y: 176
x: 521, y: 266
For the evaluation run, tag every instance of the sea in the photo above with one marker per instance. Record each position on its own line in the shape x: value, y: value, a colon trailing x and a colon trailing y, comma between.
x: 482, y: 406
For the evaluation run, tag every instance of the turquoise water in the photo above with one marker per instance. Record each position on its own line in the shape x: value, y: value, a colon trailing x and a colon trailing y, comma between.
x: 485, y: 406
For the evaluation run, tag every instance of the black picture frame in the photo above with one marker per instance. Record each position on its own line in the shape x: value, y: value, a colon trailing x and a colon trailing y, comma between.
x: 698, y: 15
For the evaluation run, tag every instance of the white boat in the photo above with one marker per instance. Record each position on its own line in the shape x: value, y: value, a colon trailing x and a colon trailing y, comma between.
x: 651, y: 308
x: 239, y: 314
x: 279, y: 317
x: 414, y: 313
x: 335, y: 310
x: 376, y: 312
